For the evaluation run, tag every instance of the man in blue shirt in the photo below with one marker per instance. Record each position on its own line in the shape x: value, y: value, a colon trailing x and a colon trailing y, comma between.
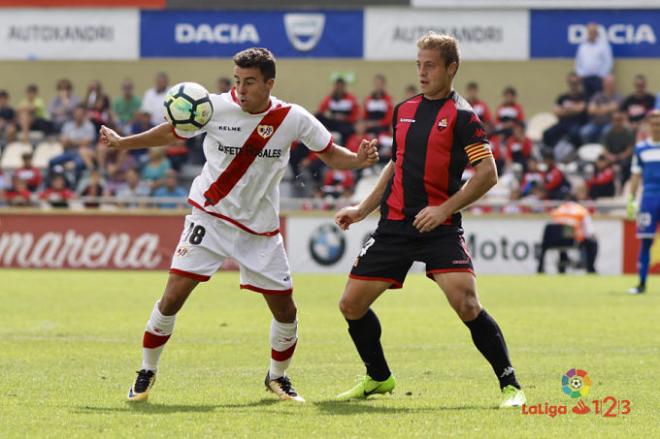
x: 170, y: 190
x: 646, y: 168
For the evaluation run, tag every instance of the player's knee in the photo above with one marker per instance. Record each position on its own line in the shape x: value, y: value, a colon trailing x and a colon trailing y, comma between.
x: 286, y: 313
x: 468, y: 306
x: 350, y: 309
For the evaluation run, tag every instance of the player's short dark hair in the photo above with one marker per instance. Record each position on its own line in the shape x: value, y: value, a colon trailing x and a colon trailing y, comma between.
x: 259, y: 58
x: 445, y: 44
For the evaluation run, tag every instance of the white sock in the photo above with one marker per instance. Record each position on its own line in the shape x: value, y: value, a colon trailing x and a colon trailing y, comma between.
x: 158, y: 331
x: 283, y: 339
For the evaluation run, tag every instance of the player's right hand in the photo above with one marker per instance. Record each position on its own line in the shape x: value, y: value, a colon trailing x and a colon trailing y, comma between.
x: 631, y: 207
x: 109, y: 137
x: 347, y: 216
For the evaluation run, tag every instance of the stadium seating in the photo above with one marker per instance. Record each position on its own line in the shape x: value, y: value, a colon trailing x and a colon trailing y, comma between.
x: 539, y: 123
x: 590, y: 152
x: 44, y: 152
x: 11, y: 158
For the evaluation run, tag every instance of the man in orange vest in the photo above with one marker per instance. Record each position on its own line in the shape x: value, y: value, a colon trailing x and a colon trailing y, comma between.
x: 571, y: 226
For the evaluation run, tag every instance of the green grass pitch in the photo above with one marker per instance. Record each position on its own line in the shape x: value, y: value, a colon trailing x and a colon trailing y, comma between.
x: 70, y: 342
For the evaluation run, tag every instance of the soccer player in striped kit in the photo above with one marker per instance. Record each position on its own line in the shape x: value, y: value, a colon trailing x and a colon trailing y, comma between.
x: 235, y: 208
x: 436, y: 134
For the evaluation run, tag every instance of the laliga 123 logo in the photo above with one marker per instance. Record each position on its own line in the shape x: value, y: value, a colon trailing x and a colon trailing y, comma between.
x: 576, y: 384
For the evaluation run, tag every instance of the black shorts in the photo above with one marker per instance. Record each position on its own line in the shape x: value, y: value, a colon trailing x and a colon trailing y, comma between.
x: 388, y: 257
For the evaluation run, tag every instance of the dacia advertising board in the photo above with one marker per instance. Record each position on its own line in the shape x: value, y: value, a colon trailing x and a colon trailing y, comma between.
x: 288, y: 34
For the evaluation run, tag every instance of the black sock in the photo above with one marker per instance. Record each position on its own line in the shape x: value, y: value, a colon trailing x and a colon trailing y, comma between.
x: 488, y: 338
x: 365, y: 333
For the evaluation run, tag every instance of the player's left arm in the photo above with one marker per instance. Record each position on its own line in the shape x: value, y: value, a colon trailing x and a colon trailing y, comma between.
x: 339, y: 157
x: 315, y: 136
x: 484, y: 178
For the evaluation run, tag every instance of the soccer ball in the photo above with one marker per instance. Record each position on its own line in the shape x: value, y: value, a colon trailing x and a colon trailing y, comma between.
x: 188, y: 106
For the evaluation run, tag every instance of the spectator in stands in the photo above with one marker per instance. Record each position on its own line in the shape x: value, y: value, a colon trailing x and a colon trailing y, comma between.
x: 3, y: 187
x: 177, y: 154
x: 378, y: 108
x: 98, y: 105
x: 32, y: 114
x: 170, y: 189
x: 619, y: 143
x: 93, y: 187
x: 508, y: 112
x: 555, y: 183
x: 337, y: 183
x: 155, y: 170
x: 570, y: 109
x: 593, y: 60
x: 62, y: 105
x: 18, y: 194
x: 638, y: 103
x: 126, y: 107
x: 77, y: 137
x: 602, y: 184
x: 153, y: 99
x: 141, y: 124
x: 480, y: 107
x: 7, y: 118
x: 339, y: 110
x: 410, y: 91
x: 222, y: 85
x: 57, y: 194
x: 531, y: 178
x: 28, y: 173
x: 518, y: 146
x: 132, y: 188
x: 601, y: 107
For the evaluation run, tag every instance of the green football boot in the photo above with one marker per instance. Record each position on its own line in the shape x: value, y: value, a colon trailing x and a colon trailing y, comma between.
x: 368, y: 386
x: 512, y: 397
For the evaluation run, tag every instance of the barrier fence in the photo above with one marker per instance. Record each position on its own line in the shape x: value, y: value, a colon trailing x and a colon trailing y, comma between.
x: 146, y: 240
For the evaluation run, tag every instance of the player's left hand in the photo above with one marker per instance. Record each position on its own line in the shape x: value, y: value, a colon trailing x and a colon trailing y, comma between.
x: 367, y: 153
x: 430, y: 217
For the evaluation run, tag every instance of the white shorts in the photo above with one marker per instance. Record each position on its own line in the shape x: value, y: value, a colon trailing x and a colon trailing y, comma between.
x: 206, y: 241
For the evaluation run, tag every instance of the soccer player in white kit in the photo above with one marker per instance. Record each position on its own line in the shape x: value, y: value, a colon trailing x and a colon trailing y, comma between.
x: 235, y: 208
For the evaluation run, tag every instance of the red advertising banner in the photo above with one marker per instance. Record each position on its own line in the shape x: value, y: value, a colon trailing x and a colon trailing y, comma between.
x: 152, y: 4
x: 93, y: 241
x: 631, y: 250
x: 133, y: 242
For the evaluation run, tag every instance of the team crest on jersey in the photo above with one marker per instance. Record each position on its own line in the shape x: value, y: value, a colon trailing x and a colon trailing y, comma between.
x: 265, y: 131
x: 443, y: 123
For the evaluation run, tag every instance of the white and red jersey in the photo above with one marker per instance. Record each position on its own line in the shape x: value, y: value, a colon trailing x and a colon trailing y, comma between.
x: 246, y: 157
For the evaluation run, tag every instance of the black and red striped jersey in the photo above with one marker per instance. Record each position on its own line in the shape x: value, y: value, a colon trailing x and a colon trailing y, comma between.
x: 434, y: 140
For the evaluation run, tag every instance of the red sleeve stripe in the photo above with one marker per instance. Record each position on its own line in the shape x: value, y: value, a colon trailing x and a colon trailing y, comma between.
x: 327, y: 147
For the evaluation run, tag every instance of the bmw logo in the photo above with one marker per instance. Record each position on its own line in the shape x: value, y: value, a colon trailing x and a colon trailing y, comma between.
x: 327, y: 244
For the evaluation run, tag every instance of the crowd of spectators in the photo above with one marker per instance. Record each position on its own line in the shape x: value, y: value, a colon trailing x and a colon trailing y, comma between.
x: 84, y: 167
x: 589, y: 111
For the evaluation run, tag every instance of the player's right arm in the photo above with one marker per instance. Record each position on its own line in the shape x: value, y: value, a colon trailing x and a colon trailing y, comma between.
x: 353, y: 214
x: 159, y: 135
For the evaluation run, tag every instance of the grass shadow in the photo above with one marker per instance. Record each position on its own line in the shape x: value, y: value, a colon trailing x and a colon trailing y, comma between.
x: 150, y: 408
x: 331, y: 407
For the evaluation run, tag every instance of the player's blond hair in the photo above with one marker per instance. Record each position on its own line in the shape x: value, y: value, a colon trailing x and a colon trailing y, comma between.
x: 446, y: 45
